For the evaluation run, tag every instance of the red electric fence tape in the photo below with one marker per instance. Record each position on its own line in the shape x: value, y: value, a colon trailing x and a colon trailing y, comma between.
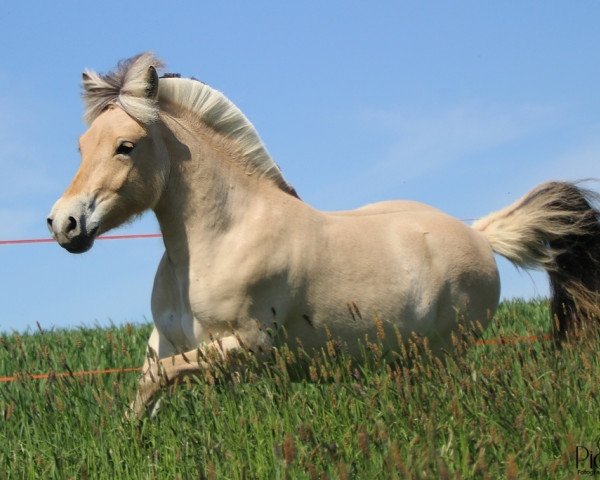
x: 102, y: 237
x: 514, y: 340
x: 45, y: 376
x: 115, y: 237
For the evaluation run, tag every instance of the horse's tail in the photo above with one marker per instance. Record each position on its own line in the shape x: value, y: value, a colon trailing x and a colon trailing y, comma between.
x: 554, y: 227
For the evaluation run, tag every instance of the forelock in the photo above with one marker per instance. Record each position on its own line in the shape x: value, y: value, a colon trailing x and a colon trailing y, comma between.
x: 126, y: 86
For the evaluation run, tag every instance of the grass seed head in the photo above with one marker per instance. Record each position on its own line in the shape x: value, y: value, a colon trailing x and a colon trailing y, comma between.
x: 211, y: 471
x: 289, y: 449
x: 512, y: 472
x: 379, y: 327
x: 443, y: 473
x: 363, y: 442
x: 312, y: 373
x: 342, y: 471
x: 312, y: 471
x: 306, y: 434
x: 9, y: 412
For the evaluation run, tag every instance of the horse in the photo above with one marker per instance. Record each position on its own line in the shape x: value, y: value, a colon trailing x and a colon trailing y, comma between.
x: 243, y: 253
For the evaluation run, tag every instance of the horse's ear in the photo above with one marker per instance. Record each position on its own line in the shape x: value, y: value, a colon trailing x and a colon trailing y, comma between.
x: 86, y: 80
x: 152, y: 83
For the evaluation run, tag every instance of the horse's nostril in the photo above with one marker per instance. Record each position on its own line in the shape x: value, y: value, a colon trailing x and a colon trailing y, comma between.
x: 49, y: 221
x: 72, y: 224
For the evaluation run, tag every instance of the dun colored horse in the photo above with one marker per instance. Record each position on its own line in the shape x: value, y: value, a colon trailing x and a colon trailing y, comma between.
x: 243, y: 252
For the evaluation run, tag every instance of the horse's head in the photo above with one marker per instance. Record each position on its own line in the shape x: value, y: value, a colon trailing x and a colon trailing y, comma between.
x: 124, y: 160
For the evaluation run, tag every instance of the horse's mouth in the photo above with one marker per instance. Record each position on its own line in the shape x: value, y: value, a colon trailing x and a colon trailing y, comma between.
x: 79, y: 244
x: 79, y: 247
x: 82, y: 242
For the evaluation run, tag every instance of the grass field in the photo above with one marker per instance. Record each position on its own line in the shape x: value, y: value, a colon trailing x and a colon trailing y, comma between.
x: 497, y: 411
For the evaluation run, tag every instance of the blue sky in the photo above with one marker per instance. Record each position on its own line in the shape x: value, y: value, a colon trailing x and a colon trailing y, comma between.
x: 465, y: 106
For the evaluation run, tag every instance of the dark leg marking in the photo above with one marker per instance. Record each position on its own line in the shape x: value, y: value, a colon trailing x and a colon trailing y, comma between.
x: 307, y: 318
x: 354, y: 311
x: 273, y: 311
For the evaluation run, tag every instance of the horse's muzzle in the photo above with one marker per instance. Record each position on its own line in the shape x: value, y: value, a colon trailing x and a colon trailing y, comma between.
x: 79, y: 244
x: 71, y: 233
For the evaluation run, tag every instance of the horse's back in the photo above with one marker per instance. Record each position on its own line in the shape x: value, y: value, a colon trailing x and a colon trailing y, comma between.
x: 386, y: 207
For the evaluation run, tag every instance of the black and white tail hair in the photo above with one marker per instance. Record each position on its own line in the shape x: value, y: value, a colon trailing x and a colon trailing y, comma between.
x: 554, y: 227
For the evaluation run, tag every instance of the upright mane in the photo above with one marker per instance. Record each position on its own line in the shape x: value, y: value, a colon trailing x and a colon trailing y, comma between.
x: 130, y: 86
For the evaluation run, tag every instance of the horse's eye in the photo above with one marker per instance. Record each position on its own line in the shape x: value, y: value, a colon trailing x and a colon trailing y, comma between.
x: 125, y: 148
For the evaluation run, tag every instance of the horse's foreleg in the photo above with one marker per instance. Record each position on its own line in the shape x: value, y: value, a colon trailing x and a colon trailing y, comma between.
x: 158, y: 373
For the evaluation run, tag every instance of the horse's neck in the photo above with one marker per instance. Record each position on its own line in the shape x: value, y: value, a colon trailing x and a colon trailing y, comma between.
x: 207, y: 191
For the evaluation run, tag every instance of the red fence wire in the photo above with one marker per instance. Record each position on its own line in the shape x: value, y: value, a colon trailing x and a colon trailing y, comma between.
x: 84, y: 373
x: 105, y: 237
x: 514, y: 340
x: 101, y: 237
x: 121, y: 237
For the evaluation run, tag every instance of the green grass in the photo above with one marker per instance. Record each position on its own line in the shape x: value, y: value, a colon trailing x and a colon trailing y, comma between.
x: 512, y: 411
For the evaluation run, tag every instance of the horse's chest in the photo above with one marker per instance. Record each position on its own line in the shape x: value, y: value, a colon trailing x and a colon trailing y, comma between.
x: 176, y: 324
x: 171, y: 310
x: 189, y: 312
